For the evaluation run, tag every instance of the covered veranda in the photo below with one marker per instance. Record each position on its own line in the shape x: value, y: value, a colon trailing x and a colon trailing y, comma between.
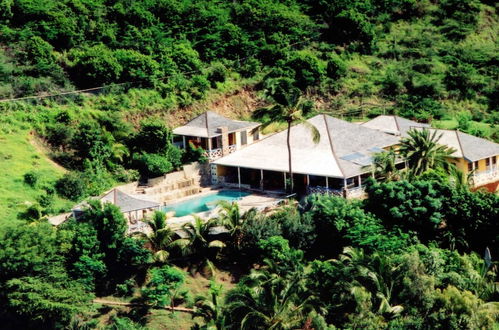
x: 276, y: 181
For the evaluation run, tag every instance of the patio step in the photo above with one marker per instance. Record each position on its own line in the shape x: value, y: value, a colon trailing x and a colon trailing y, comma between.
x: 181, y: 193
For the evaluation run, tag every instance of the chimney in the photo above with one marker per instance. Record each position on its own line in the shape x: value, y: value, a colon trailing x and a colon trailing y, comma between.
x: 224, y: 131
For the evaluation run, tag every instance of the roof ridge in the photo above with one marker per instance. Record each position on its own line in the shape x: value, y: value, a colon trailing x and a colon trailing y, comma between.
x: 459, y: 142
x: 397, y: 124
x: 331, y: 145
x: 206, y: 121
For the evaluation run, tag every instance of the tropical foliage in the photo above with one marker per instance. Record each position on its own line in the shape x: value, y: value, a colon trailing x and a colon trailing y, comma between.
x: 410, y: 256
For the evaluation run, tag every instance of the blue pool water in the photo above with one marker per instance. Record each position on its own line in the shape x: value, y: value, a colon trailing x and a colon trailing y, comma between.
x: 203, y: 203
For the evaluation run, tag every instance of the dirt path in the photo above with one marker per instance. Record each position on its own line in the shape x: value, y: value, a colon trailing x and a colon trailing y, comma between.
x: 38, y: 145
x: 127, y: 304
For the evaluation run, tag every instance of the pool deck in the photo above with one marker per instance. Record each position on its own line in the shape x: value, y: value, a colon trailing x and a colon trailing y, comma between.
x: 260, y: 201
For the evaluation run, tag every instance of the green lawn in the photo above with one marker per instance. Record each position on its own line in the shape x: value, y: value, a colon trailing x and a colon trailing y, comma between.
x: 452, y: 124
x: 18, y: 156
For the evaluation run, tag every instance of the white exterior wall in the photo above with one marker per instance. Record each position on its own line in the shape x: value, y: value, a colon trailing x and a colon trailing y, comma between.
x: 249, y: 138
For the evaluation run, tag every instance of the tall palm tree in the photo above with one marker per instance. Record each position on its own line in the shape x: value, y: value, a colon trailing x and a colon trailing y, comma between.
x: 288, y: 109
x: 161, y: 237
x: 423, y: 152
x: 230, y: 216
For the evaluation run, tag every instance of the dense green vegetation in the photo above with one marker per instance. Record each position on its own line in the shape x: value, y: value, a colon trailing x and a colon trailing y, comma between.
x: 409, y: 256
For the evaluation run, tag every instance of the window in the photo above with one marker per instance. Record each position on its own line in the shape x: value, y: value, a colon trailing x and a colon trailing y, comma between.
x: 487, y: 162
x: 476, y: 165
x: 494, y: 160
x: 470, y: 166
x: 244, y: 138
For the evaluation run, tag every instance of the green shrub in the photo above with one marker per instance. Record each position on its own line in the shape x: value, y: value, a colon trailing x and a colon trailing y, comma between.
x: 45, y: 200
x: 125, y: 289
x: 217, y: 73
x: 31, y: 178
x: 71, y: 186
x: 33, y: 212
x: 336, y: 67
x: 152, y: 165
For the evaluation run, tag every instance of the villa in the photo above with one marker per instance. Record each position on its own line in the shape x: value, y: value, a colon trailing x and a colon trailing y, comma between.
x: 338, y: 164
x: 218, y: 135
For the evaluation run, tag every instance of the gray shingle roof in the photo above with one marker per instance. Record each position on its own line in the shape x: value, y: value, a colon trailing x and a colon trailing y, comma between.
x: 467, y: 146
x: 126, y: 202
x: 207, y: 124
x: 393, y: 124
x: 330, y: 157
x: 475, y: 148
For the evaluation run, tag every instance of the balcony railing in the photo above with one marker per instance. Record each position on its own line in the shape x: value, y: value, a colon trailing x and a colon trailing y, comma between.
x: 355, y: 192
x: 213, y: 154
x: 217, y: 153
x: 484, y: 177
x: 232, y: 148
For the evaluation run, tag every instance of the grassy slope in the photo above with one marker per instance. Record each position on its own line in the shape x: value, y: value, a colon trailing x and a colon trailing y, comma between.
x: 196, y: 285
x: 18, y: 156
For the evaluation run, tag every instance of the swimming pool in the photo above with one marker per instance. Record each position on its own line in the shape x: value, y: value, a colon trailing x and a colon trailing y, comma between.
x: 203, y: 203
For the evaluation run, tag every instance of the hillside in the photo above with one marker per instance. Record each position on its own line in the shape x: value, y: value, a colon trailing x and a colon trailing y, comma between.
x: 21, y: 154
x: 90, y: 91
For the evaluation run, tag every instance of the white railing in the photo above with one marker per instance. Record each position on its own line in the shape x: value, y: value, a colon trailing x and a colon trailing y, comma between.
x: 217, y: 153
x: 213, y: 153
x: 483, y: 177
x: 324, y: 190
x: 356, y: 192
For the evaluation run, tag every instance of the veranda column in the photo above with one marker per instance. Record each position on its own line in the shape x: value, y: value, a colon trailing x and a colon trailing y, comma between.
x: 345, y: 187
x: 184, y: 142
x: 285, y: 184
x: 360, y: 181
x: 209, y: 144
x: 261, y: 180
x: 327, y: 182
x: 239, y: 176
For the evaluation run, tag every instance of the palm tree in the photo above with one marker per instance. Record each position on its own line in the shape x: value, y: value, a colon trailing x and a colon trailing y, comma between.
x: 288, y: 109
x: 161, y: 238
x: 264, y: 300
x: 231, y: 218
x: 459, y: 179
x: 196, y: 242
x: 423, y: 152
x: 210, y: 309
x: 384, y: 166
x: 375, y: 272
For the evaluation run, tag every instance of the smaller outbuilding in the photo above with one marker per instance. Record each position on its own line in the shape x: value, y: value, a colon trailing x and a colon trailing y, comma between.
x: 133, y: 208
x: 218, y: 135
